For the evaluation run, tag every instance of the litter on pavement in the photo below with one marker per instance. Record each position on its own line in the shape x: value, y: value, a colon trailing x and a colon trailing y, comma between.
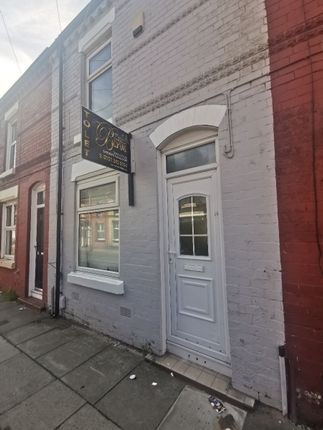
x: 216, y: 404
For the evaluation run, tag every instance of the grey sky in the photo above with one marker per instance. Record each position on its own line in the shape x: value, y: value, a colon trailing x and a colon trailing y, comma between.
x: 33, y: 25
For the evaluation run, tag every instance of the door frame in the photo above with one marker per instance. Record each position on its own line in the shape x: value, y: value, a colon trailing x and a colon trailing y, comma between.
x: 210, y: 362
x: 194, y: 117
x: 32, y: 292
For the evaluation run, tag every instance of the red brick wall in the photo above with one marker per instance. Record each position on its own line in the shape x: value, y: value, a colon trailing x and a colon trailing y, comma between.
x: 33, y: 94
x: 296, y: 46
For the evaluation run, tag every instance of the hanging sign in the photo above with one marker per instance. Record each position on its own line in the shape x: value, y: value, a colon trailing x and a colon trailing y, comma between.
x: 104, y: 143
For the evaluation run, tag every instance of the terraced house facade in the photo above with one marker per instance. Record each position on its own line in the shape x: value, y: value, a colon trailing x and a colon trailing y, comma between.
x: 24, y: 182
x: 192, y: 266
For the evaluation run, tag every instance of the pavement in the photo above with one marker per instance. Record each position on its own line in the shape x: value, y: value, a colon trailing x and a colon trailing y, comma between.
x: 58, y: 375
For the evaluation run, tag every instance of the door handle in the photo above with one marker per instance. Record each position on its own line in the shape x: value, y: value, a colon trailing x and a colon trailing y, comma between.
x: 171, y: 256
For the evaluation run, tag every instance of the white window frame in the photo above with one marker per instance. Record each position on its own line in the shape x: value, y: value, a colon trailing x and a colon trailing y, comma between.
x: 89, y: 183
x: 5, y: 228
x: 10, y: 118
x: 91, y: 77
x: 11, y: 143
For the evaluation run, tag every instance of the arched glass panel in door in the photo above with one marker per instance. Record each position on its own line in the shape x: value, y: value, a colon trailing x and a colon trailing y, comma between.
x: 193, y: 226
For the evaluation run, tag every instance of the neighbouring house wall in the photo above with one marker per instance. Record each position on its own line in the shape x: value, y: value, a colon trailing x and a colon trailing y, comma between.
x: 33, y: 95
x: 190, y: 53
x: 296, y: 41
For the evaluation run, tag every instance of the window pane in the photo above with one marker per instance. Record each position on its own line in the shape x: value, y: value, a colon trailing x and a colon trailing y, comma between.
x: 12, y: 159
x: 186, y: 244
x: 199, y: 213
x: 199, y: 205
x: 101, y: 94
x: 100, y: 195
x: 99, y: 59
x: 193, y: 226
x: 185, y: 205
x: 40, y: 198
x: 198, y: 156
x: 102, y: 254
x: 13, y: 132
x: 10, y: 242
x: 8, y: 216
x: 185, y: 224
x: 200, y: 225
x: 201, y: 246
x: 185, y: 215
x: 15, y: 215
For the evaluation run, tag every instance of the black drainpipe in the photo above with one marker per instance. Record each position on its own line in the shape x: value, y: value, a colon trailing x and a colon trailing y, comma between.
x: 59, y: 181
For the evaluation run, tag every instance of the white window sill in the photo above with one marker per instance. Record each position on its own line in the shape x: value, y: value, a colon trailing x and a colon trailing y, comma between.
x: 7, y: 173
x: 7, y: 264
x: 96, y: 282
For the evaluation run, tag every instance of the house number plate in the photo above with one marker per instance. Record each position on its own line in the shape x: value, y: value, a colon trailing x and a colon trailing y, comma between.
x: 194, y: 267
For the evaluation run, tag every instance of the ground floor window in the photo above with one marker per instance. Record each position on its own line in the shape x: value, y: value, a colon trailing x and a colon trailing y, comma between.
x: 8, y: 236
x: 98, y: 225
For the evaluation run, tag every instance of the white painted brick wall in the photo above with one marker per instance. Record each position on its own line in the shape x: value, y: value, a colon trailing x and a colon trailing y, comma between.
x: 213, y: 34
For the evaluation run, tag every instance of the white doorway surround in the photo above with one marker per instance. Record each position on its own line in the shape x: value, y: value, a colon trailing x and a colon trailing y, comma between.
x: 195, y: 324
x: 36, y: 241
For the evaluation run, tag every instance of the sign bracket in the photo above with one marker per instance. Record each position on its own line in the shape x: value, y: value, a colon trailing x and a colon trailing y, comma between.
x: 131, y: 184
x: 131, y: 189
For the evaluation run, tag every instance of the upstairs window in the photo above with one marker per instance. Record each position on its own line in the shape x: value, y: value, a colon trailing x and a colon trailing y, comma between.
x: 99, y: 72
x: 11, y: 144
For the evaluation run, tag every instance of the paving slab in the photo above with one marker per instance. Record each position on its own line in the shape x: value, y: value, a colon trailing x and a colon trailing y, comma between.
x: 20, y: 378
x: 6, y: 305
x: 70, y: 355
x: 45, y: 410
x: 6, y: 350
x: 46, y: 342
x: 98, y: 375
x: 137, y: 404
x: 11, y: 317
x: 267, y: 418
x: 88, y: 418
x: 35, y: 328
x: 192, y: 410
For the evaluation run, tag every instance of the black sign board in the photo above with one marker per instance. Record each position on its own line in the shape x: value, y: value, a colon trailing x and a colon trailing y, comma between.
x: 104, y: 143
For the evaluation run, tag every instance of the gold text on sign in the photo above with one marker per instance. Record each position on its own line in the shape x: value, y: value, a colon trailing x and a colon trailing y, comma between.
x: 109, y: 138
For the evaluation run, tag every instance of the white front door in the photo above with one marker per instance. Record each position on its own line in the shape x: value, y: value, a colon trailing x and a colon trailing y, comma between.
x: 197, y: 301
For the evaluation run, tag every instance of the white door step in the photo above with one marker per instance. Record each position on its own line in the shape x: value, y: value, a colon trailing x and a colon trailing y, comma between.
x: 208, y: 379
